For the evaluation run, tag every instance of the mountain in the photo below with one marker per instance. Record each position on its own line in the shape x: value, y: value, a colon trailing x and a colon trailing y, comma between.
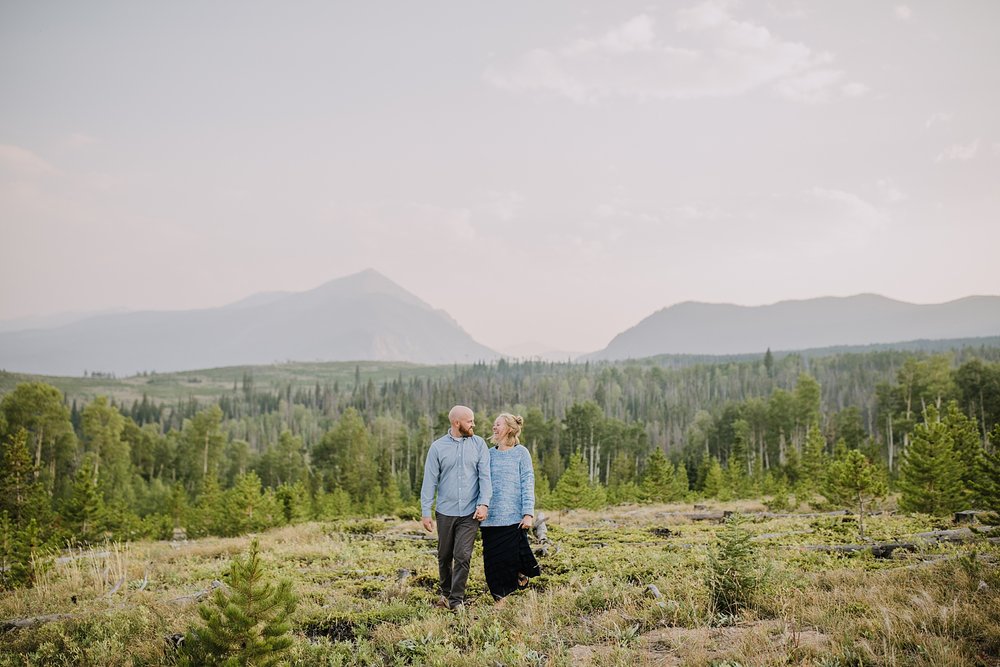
x: 864, y: 319
x: 364, y: 316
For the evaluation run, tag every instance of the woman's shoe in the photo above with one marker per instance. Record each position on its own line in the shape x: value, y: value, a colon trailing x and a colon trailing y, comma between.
x: 522, y: 580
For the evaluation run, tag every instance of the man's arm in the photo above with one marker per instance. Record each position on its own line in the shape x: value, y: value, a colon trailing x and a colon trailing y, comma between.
x: 485, y: 482
x: 432, y: 471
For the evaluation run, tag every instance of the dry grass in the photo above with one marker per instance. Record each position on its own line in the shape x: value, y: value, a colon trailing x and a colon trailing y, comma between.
x: 590, y: 607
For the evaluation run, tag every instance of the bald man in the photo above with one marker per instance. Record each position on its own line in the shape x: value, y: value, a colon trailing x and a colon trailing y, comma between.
x: 458, y: 470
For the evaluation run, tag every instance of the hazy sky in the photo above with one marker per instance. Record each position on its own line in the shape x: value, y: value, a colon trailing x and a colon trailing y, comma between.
x: 544, y: 171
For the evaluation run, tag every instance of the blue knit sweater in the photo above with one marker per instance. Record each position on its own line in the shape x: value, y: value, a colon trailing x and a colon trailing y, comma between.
x: 513, y: 486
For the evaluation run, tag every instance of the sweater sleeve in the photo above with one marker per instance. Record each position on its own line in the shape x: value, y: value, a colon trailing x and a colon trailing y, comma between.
x: 527, y: 484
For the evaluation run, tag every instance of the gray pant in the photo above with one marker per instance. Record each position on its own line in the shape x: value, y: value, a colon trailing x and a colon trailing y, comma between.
x: 456, y: 535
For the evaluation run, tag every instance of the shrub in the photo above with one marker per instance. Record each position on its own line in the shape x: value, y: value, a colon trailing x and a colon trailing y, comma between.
x: 735, y: 574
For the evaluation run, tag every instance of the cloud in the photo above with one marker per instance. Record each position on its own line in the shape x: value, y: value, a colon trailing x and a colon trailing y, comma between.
x: 890, y: 192
x: 23, y: 162
x: 938, y: 117
x: 961, y: 152
x: 902, y: 12
x: 810, y: 88
x: 854, y: 89
x: 706, y: 52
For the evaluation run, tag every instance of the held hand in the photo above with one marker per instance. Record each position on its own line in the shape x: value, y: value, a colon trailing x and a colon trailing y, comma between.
x: 527, y: 522
x: 480, y: 513
x: 427, y: 523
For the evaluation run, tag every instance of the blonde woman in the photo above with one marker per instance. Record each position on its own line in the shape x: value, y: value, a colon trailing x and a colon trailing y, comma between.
x: 507, y: 557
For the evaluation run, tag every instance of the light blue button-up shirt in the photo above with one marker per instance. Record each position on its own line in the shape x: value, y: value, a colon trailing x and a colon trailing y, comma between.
x: 459, y: 470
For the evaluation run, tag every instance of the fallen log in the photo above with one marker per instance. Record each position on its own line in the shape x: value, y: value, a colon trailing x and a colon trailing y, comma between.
x: 886, y: 549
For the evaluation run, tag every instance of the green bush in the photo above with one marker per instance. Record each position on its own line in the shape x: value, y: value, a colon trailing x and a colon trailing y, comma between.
x: 735, y: 574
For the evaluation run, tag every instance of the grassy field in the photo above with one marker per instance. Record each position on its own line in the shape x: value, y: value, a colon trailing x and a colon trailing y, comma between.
x: 939, y: 605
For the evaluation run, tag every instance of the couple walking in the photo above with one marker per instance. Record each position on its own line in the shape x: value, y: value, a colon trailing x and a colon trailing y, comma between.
x: 492, y: 490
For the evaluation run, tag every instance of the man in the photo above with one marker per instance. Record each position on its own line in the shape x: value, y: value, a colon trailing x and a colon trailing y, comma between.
x: 458, y: 469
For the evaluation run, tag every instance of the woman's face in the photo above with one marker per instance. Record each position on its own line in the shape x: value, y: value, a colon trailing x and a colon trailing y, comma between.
x: 500, y: 427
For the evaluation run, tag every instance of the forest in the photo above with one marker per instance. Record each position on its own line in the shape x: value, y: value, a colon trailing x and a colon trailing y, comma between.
x: 80, y: 469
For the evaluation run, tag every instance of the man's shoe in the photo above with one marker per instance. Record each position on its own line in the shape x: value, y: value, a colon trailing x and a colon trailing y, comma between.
x: 458, y: 607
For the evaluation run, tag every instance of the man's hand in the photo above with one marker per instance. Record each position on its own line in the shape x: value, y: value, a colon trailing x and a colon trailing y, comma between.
x: 481, y: 511
x: 527, y: 522
x: 427, y: 523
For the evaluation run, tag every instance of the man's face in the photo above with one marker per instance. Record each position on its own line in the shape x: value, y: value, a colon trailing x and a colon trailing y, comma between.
x: 466, y: 425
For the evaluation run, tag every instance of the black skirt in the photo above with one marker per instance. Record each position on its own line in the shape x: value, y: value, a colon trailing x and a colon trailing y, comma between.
x: 506, y: 553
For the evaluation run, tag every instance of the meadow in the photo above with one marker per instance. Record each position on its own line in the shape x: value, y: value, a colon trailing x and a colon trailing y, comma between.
x: 623, y: 586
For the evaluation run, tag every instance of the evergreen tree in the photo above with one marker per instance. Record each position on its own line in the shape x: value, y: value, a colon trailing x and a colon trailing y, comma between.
x: 247, y: 508
x: 854, y: 481
x: 294, y: 501
x: 715, y: 484
x: 23, y: 553
x: 735, y: 573
x: 931, y: 472
x: 22, y: 496
x: 987, y: 486
x: 574, y: 490
x: 658, y: 480
x: 737, y: 470
x: 680, y: 482
x: 207, y: 517
x: 968, y: 447
x: 812, y: 470
x: 247, y: 623
x: 84, y: 511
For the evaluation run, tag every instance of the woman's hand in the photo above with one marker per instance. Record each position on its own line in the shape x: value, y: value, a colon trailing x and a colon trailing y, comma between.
x: 527, y: 522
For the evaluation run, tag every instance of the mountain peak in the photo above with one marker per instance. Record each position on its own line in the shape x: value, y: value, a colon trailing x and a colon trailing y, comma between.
x: 365, y: 284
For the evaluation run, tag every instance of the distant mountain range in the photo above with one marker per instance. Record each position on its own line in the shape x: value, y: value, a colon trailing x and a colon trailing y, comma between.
x: 865, y: 319
x: 367, y: 317
x: 364, y: 316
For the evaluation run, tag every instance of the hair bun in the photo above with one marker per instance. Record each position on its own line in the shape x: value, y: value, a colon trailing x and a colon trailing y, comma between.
x: 519, y: 419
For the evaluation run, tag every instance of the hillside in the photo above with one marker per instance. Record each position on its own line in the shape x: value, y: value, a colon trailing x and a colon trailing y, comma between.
x: 360, y: 317
x: 865, y: 319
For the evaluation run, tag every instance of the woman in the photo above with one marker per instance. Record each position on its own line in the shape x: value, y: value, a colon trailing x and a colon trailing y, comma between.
x: 507, y: 557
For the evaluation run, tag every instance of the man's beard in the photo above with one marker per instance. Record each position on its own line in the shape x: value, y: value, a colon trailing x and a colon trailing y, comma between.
x: 466, y: 432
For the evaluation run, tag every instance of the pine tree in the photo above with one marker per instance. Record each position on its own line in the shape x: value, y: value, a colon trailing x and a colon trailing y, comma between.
x: 968, y: 447
x: 658, y: 480
x: 737, y: 467
x: 735, y: 573
x: 680, y: 482
x: 246, y: 623
x: 84, y: 511
x: 931, y: 473
x: 987, y: 486
x: 23, y: 553
x: 21, y: 495
x: 855, y: 481
x: 715, y: 485
x: 574, y: 490
x: 812, y: 470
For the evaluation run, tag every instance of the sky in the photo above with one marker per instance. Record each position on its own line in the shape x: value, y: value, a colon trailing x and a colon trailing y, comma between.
x: 547, y: 173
